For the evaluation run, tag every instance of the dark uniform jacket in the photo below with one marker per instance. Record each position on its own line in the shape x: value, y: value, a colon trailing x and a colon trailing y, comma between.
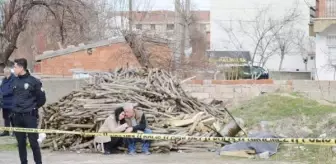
x: 7, y: 92
x: 27, y: 94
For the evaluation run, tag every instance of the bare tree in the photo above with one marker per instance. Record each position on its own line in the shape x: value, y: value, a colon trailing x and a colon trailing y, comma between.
x: 190, y: 38
x: 261, y: 31
x: 285, y: 43
x: 16, y: 14
x: 305, y: 44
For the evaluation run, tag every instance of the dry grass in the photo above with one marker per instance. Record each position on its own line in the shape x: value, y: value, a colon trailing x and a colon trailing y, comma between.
x: 287, y: 114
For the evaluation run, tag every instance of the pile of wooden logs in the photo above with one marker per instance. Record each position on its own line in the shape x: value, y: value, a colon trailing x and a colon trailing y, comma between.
x: 168, y: 108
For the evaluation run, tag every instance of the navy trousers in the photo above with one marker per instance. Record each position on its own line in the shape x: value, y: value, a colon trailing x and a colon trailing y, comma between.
x: 5, y: 114
x: 27, y: 120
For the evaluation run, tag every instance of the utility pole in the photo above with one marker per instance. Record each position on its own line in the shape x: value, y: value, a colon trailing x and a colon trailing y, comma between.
x: 184, y: 22
x: 177, y: 31
x: 183, y: 33
x: 185, y: 16
x: 130, y: 15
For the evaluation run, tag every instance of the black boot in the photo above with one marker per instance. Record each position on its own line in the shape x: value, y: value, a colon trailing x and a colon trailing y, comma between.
x: 4, y: 134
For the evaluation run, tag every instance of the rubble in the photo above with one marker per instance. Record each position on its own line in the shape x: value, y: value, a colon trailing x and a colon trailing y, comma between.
x: 169, y: 110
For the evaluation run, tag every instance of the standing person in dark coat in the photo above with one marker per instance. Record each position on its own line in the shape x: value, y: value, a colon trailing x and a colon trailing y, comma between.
x: 28, y: 97
x: 7, y: 96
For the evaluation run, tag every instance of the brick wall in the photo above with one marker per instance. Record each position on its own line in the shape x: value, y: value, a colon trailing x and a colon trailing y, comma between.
x: 321, y: 8
x: 102, y: 59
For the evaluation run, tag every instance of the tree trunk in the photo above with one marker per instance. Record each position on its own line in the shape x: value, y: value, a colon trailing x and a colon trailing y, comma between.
x: 282, y: 56
x: 306, y: 66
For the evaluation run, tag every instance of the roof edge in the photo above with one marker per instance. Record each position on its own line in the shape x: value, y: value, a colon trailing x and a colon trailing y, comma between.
x: 80, y: 47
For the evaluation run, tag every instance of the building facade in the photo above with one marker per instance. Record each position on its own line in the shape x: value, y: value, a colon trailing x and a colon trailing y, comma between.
x: 163, y: 21
x: 104, y: 55
x: 160, y: 22
x: 323, y: 27
x: 235, y: 27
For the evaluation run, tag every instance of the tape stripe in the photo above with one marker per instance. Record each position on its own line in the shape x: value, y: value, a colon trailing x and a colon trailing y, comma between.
x: 314, y: 141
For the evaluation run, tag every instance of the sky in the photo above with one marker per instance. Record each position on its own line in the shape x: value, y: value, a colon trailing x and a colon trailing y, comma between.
x: 169, y: 4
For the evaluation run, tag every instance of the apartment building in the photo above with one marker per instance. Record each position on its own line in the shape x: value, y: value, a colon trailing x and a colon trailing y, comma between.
x: 323, y: 27
x: 240, y: 15
x: 163, y: 22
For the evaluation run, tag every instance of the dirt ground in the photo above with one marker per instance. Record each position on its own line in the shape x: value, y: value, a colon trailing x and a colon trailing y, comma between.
x: 172, y: 158
x: 9, y: 154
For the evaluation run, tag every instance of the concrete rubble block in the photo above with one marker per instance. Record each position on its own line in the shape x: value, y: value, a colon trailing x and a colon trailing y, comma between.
x: 303, y: 85
x: 194, y: 88
x: 222, y: 96
x: 210, y: 89
x: 225, y: 89
x: 246, y: 90
x: 238, y: 89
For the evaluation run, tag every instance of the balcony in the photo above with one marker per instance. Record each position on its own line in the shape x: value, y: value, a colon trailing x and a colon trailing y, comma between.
x: 325, y: 15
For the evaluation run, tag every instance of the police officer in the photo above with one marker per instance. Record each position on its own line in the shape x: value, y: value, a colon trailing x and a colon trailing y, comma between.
x: 28, y: 97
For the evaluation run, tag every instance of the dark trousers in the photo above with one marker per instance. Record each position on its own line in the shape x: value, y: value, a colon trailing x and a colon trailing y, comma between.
x: 131, y: 143
x: 113, y: 145
x: 5, y: 114
x: 28, y: 120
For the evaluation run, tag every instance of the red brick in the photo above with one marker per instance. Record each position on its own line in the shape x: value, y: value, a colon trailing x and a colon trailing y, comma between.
x: 200, y: 82
x: 102, y: 59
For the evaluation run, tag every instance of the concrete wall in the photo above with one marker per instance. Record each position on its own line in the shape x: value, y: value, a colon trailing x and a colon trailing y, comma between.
x: 236, y: 91
x: 233, y: 91
x: 286, y: 75
x: 57, y: 88
x: 324, y: 55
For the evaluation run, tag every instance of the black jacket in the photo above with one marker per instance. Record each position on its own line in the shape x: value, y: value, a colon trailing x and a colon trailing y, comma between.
x: 27, y: 93
x: 142, y: 124
x: 7, y: 92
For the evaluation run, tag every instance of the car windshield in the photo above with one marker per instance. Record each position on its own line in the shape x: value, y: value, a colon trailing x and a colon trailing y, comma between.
x: 257, y: 69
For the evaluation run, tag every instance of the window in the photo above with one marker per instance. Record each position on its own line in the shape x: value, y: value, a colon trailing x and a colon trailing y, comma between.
x: 152, y: 26
x: 170, y: 26
x: 202, y: 27
x: 138, y: 26
x: 330, y: 8
x: 332, y: 54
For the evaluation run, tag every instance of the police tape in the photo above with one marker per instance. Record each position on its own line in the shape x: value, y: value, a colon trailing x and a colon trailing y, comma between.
x: 311, y: 141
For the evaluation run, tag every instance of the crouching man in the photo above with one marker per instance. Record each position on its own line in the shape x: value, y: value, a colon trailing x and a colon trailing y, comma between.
x: 137, y: 123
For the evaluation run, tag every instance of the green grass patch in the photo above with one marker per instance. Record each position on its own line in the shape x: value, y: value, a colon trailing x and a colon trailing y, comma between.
x: 275, y: 107
x: 8, y: 147
x: 311, y: 154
